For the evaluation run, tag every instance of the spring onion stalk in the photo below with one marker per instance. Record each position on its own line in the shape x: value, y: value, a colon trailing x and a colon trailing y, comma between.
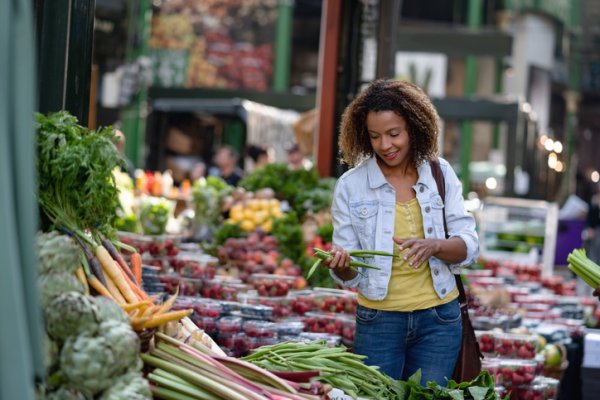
x: 194, y: 392
x: 169, y: 394
x: 198, y: 379
x: 229, y: 382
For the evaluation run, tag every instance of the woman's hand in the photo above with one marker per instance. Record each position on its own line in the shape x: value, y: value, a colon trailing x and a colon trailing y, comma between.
x: 419, y: 250
x: 339, y: 263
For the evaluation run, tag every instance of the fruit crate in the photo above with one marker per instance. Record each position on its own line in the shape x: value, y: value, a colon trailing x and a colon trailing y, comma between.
x: 516, y: 372
x: 281, y: 305
x: 272, y: 285
x: 336, y: 300
x: 321, y: 322
x: 487, y: 342
x: 511, y: 345
x: 302, y: 301
x: 222, y: 288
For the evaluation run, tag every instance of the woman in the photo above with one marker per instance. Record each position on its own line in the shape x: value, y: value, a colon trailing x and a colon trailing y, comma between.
x: 408, y: 316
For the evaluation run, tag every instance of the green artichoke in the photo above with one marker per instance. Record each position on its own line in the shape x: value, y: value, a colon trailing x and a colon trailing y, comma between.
x: 91, y: 361
x: 131, y: 386
x: 66, y: 393
x: 69, y: 314
x: 55, y: 284
x: 109, y: 310
x: 57, y: 253
x: 50, y: 352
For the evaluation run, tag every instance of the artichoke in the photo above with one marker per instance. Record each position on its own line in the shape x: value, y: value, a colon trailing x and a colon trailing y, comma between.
x: 66, y: 393
x: 109, y: 310
x: 91, y: 361
x: 50, y: 352
x: 55, y: 284
x: 69, y: 314
x: 57, y: 253
x: 131, y: 386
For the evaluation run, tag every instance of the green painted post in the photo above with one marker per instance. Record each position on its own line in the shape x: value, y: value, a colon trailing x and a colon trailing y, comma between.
x: 466, y: 137
x: 20, y: 332
x: 498, y: 89
x: 283, y: 46
x: 133, y: 116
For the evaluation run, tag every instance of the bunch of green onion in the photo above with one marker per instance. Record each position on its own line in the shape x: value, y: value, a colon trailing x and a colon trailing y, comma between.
x: 354, y: 264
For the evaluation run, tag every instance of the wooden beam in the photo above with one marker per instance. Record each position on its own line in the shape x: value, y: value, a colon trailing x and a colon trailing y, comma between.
x: 326, y: 88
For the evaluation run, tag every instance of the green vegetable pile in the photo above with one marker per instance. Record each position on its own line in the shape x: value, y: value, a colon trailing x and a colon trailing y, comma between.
x: 208, y: 194
x: 154, y: 215
x: 90, y: 345
x: 76, y: 185
x: 301, y: 188
x: 346, y: 371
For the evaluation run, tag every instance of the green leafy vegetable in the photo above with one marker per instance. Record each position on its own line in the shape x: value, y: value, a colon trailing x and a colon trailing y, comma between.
x: 76, y: 185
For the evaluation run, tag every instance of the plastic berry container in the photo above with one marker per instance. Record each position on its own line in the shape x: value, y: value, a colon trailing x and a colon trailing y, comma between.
x: 190, y: 286
x: 207, y: 324
x: 302, y: 301
x: 516, y: 346
x: 272, y: 285
x: 348, y: 330
x: 487, y: 341
x: 323, y: 323
x: 232, y: 341
x: 492, y: 365
x: 517, y: 372
x: 336, y: 300
x: 229, y: 325
x: 535, y: 391
x: 259, y: 328
x: 256, y: 311
x: 281, y: 305
x: 501, y: 391
x: 331, y: 340
x: 551, y: 387
x: 208, y: 309
x: 289, y: 328
x: 267, y: 341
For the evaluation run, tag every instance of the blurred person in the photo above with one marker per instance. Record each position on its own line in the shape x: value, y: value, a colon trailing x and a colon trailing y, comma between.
x: 198, y: 171
x: 120, y: 145
x: 260, y: 156
x: 225, y: 161
x: 408, y: 315
x: 296, y: 159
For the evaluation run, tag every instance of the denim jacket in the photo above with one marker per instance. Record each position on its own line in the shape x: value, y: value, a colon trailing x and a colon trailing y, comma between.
x: 363, y: 212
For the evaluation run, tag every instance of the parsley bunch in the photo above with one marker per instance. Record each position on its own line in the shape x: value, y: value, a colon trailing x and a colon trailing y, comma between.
x: 77, y: 189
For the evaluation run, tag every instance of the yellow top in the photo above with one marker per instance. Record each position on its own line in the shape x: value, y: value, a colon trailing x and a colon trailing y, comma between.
x: 409, y: 289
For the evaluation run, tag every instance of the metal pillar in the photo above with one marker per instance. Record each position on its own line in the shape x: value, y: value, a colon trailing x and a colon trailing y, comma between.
x: 65, y: 36
x: 466, y: 137
x: 387, y: 43
x: 283, y: 46
x: 133, y: 116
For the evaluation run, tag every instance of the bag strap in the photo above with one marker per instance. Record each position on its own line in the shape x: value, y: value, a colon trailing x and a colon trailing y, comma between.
x: 438, y: 175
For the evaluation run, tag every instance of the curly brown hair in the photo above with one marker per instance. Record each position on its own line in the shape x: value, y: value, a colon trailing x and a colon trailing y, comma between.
x: 405, y: 99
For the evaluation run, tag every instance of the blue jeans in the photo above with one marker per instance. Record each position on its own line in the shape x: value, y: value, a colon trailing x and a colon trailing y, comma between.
x: 400, y: 343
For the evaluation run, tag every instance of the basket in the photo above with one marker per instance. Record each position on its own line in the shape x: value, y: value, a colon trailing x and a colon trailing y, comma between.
x: 559, y: 371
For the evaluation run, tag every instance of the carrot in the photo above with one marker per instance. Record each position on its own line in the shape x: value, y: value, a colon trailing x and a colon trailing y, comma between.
x: 136, y: 267
x: 166, y: 306
x: 137, y: 323
x: 114, y: 273
x: 161, y: 319
x: 92, y: 261
x: 117, y: 257
x: 132, y: 306
x: 99, y: 287
x: 136, y: 289
x: 81, y: 276
x: 114, y: 291
x: 150, y: 311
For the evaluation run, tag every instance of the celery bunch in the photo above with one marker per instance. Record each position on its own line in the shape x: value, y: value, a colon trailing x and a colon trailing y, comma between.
x: 584, y: 268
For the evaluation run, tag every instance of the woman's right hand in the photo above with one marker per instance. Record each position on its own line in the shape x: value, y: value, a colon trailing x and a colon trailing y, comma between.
x: 340, y: 263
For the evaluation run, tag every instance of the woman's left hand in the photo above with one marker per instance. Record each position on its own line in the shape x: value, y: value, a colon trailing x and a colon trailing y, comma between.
x: 419, y: 250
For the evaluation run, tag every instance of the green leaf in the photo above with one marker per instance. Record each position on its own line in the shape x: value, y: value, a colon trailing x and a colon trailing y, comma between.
x: 456, y: 394
x: 416, y: 377
x: 478, y: 392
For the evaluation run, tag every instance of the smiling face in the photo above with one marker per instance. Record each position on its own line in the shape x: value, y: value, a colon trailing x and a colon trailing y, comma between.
x: 389, y: 137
